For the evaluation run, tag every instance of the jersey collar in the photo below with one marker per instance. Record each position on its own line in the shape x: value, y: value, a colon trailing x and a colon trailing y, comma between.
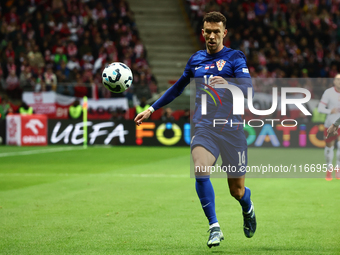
x: 218, y: 54
x: 336, y: 90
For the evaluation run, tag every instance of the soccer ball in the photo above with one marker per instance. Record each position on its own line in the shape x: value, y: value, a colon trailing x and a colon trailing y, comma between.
x: 117, y: 77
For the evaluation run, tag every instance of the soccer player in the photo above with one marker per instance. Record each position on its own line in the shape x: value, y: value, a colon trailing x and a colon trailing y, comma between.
x: 330, y: 104
x: 215, y: 64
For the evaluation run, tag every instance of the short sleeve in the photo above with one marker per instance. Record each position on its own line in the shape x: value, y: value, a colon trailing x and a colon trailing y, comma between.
x: 240, y: 65
x: 325, y: 98
x: 187, y: 70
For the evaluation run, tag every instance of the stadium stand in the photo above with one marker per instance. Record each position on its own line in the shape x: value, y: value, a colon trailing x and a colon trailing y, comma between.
x: 63, y: 45
x: 280, y: 38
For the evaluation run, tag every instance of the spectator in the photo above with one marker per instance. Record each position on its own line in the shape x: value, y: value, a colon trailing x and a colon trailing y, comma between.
x: 260, y: 8
x: 25, y: 109
x: 11, y: 66
x: 59, y: 52
x: 186, y: 116
x: 79, y: 89
x: 73, y: 64
x: 142, y: 106
x: 50, y: 80
x: 35, y: 57
x: 84, y: 48
x: 26, y: 79
x: 2, y: 81
x: 71, y: 49
x: 75, y: 111
x: 141, y: 88
x: 88, y: 58
x: 318, y: 117
x: 99, y: 12
x: 20, y: 48
x: 39, y: 81
x: 64, y: 30
x: 100, y: 60
x: 40, y: 85
x: 167, y: 115
x: 64, y: 70
x: 5, y: 108
x: 12, y: 85
x: 9, y: 52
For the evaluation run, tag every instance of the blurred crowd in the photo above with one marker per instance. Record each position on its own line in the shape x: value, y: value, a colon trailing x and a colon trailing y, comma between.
x: 280, y: 38
x: 64, y: 45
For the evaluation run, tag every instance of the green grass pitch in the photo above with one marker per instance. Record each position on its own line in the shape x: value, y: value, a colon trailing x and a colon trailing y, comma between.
x: 130, y: 200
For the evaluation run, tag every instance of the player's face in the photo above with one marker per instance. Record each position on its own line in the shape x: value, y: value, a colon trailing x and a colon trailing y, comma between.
x: 337, y: 82
x: 213, y: 34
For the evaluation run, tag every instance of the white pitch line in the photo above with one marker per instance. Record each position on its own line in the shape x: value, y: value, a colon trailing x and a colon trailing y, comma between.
x: 18, y: 153
x: 151, y: 175
x: 103, y: 175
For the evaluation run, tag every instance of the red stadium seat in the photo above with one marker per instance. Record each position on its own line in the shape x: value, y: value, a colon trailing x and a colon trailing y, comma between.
x: 178, y: 114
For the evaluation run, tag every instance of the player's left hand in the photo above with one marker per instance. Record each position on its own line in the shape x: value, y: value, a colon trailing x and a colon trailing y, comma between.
x: 332, y: 131
x: 217, y: 80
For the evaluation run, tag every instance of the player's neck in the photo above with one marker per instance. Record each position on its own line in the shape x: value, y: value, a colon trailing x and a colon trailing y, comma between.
x: 214, y: 52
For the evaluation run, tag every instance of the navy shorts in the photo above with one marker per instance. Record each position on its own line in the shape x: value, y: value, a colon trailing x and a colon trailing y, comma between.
x: 231, y: 145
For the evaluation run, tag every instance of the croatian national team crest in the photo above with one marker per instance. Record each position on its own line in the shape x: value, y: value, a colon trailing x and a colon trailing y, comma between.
x: 220, y: 64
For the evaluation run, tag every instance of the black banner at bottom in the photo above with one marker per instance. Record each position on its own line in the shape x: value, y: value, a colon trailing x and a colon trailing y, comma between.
x: 119, y: 133
x: 158, y: 133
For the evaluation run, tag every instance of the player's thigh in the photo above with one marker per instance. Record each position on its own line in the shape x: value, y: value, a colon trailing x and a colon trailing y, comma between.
x: 201, y: 155
x: 234, y: 154
x: 330, y: 141
x: 330, y: 144
x: 204, y: 150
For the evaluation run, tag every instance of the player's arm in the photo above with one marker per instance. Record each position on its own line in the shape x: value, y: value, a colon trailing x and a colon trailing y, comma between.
x: 322, y: 107
x: 333, y: 129
x: 241, y: 72
x: 173, y: 92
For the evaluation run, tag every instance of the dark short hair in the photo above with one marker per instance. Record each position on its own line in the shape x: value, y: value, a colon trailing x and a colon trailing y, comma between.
x: 215, y: 17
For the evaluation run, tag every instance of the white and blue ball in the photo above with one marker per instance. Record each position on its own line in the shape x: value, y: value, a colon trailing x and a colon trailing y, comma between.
x: 117, y: 77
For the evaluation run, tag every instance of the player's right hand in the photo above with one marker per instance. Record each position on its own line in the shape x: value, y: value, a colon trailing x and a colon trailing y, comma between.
x: 142, y: 116
x: 332, y: 131
x: 217, y: 80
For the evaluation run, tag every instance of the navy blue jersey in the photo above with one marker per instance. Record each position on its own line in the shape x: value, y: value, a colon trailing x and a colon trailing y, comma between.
x: 228, y: 63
